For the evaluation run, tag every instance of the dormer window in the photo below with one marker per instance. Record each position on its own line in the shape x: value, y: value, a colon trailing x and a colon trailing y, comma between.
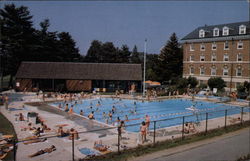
x: 216, y: 32
x: 242, y: 29
x: 225, y: 31
x: 201, y: 33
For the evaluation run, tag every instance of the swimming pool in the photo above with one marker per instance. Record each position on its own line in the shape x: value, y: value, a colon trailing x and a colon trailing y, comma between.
x: 157, y: 110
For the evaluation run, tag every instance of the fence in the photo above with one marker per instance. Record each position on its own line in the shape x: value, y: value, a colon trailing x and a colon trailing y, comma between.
x: 159, y: 130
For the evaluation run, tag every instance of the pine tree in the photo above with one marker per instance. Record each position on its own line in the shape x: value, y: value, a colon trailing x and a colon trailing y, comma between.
x: 170, y: 60
x: 135, y: 56
x: 16, y: 36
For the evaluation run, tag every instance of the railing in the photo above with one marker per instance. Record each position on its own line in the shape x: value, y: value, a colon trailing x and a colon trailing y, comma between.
x: 177, y: 127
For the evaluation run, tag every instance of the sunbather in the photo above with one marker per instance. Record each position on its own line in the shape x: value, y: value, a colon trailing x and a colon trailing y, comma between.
x: 46, y: 150
x: 99, y: 146
x: 62, y: 133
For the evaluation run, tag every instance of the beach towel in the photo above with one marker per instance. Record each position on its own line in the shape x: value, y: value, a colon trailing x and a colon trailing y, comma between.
x: 88, y: 152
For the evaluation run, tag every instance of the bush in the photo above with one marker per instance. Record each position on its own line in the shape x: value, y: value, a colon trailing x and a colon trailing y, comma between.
x: 192, y: 82
x: 216, y: 82
x: 202, y: 86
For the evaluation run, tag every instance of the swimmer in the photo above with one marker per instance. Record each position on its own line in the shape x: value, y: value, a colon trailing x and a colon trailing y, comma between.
x: 104, y: 115
x: 91, y: 116
x: 113, y: 109
x: 126, y: 117
x: 81, y: 112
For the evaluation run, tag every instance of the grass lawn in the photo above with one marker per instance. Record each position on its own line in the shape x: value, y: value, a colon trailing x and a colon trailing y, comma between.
x: 6, y: 128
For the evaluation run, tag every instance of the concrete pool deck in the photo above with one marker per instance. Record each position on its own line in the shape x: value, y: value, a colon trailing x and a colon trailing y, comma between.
x: 109, y: 137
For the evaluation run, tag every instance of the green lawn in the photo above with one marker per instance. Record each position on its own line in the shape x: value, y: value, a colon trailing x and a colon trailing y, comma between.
x: 6, y: 128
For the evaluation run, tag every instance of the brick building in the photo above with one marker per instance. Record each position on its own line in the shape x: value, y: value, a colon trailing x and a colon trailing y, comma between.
x: 218, y: 51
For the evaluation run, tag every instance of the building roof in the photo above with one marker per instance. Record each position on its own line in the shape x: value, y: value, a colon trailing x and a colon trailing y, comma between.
x: 233, y: 30
x: 83, y: 71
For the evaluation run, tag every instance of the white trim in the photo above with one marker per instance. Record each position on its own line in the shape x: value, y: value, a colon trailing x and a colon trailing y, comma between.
x: 191, y: 47
x: 201, y: 33
x: 202, y: 56
x: 225, y: 70
x: 225, y: 31
x: 218, y: 62
x: 227, y: 45
x: 242, y: 28
x: 241, y: 58
x: 191, y: 60
x: 215, y: 39
x: 214, y: 45
x: 225, y: 56
x: 214, y: 31
x: 227, y: 79
x: 202, y: 47
x: 240, y: 43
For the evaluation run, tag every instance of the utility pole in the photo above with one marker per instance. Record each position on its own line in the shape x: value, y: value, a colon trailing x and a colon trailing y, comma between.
x: 144, y: 73
x: 231, y: 68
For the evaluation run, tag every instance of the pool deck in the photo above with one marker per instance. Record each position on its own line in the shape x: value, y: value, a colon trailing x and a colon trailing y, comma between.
x: 54, y: 116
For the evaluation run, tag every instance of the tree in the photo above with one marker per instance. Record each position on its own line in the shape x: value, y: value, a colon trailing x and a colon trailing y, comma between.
x: 109, y: 53
x: 134, y: 58
x: 170, y: 60
x: 68, y: 51
x: 16, y: 36
x: 216, y: 82
x: 123, y: 55
x: 151, y: 67
x: 182, y: 83
x: 94, y: 53
x: 192, y: 81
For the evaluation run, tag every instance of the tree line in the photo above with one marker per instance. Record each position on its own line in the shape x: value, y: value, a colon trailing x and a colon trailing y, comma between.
x: 21, y: 41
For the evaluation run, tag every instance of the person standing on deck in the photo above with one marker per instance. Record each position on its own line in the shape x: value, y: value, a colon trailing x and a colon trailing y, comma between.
x: 147, y: 120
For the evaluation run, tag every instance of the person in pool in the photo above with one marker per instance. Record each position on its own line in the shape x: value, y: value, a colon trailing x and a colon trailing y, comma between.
x: 113, y: 109
x: 81, y: 113
x: 66, y: 108
x: 91, y: 116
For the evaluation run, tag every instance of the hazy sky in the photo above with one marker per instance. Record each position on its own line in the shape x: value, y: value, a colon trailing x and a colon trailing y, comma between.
x: 130, y: 22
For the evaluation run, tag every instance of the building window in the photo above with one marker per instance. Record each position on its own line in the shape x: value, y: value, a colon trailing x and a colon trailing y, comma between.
x: 191, y: 47
x: 225, y: 31
x: 202, y: 47
x: 240, y: 45
x: 226, y: 45
x: 191, y: 70
x: 239, y: 72
x: 242, y: 29
x: 225, y: 72
x: 239, y: 57
x: 237, y: 84
x: 191, y: 57
x: 213, y: 58
x: 201, y: 33
x: 202, y: 71
x: 216, y: 32
x: 213, y: 71
x: 226, y: 57
x: 214, y: 46
x: 202, y: 58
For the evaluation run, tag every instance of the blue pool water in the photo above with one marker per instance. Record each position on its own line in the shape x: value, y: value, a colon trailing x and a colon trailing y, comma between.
x: 157, y: 110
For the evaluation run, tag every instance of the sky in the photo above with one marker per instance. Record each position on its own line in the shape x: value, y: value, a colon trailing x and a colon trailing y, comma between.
x: 131, y: 22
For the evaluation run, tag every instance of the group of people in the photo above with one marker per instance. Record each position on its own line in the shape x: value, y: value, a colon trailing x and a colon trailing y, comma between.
x: 72, y: 133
